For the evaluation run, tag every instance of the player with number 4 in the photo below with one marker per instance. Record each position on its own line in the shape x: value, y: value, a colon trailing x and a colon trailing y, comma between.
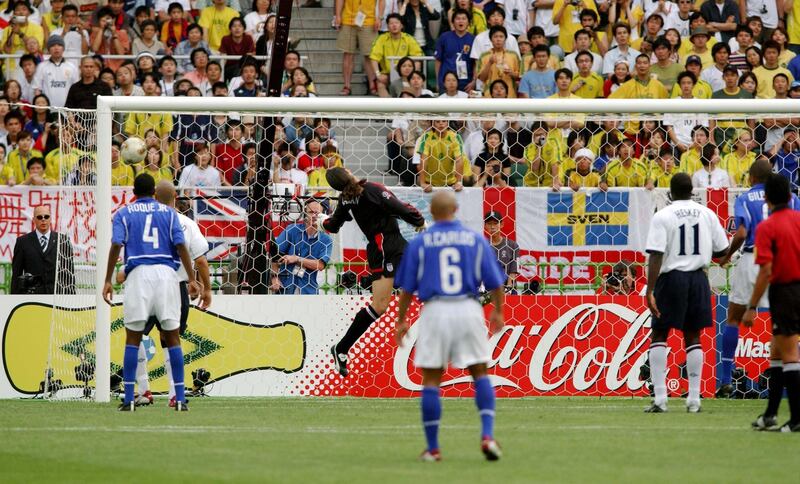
x: 153, y: 240
x: 682, y: 239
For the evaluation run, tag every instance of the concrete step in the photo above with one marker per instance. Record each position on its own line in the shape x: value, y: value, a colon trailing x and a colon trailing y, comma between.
x: 300, y: 24
x: 314, y: 45
x: 332, y: 89
x: 316, y: 33
x: 314, y: 13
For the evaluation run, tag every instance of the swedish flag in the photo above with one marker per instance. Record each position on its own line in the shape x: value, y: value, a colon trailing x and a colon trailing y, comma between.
x: 598, y: 218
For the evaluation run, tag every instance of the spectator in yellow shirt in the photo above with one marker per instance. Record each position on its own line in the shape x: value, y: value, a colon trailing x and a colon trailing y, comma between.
x: 700, y: 47
x: 662, y: 170
x: 642, y: 85
x: 625, y: 171
x: 36, y: 173
x: 587, y: 84
x: 701, y: 89
x: 18, y: 159
x: 737, y: 162
x: 690, y: 159
x: 499, y: 63
x: 766, y: 73
x: 442, y: 159
x: 565, y: 14
x: 543, y: 156
x: 394, y: 43
x: 582, y: 175
x: 19, y: 29
x: 215, y: 21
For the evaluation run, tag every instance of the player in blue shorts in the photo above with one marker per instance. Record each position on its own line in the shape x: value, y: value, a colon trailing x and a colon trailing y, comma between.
x: 750, y: 210
x: 446, y: 266
x: 153, y: 240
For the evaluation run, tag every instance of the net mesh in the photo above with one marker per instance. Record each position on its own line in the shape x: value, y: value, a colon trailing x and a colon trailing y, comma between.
x: 565, y: 199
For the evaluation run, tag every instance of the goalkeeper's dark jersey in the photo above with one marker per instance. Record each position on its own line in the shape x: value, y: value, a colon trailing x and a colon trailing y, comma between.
x: 375, y: 211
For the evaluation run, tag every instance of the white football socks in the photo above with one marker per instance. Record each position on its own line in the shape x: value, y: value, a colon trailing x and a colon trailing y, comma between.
x: 658, y: 372
x: 168, y: 367
x: 694, y: 367
x: 141, y: 371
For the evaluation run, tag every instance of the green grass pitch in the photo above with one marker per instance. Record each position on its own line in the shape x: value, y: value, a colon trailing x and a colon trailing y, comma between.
x: 350, y: 440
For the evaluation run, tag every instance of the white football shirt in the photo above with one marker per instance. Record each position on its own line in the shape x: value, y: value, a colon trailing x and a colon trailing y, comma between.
x: 196, y: 244
x: 687, y: 233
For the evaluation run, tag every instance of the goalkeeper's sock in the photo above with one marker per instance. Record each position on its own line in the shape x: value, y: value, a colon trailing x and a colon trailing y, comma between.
x: 791, y: 380
x: 484, y: 399
x: 360, y: 325
x: 176, y: 362
x: 130, y: 360
x: 431, y: 414
x: 168, y: 368
x: 730, y: 338
x: 141, y: 371
x: 658, y: 371
x: 694, y: 369
x: 774, y: 388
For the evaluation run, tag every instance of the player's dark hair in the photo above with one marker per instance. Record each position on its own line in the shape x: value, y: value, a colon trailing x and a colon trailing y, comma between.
x: 341, y: 180
x: 776, y: 189
x: 760, y: 170
x: 680, y: 187
x: 144, y: 185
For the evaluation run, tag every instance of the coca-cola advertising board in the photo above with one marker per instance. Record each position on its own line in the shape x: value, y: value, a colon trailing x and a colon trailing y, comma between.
x: 279, y: 346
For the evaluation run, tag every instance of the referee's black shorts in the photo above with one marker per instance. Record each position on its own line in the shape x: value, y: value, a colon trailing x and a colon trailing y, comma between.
x: 152, y: 321
x: 784, y: 308
x: 384, y: 254
x: 684, y: 301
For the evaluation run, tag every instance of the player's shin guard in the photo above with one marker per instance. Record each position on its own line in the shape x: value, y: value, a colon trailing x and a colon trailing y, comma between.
x: 774, y: 387
x: 168, y: 368
x: 484, y: 399
x: 431, y: 414
x: 658, y: 371
x: 791, y: 380
x: 176, y: 362
x: 360, y: 325
x: 730, y: 339
x: 141, y: 371
x: 694, y: 368
x: 130, y: 360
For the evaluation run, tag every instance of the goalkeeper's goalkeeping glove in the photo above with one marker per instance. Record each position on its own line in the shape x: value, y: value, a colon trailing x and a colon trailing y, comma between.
x: 421, y: 228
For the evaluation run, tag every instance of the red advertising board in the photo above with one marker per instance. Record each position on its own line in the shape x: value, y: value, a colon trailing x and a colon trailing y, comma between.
x: 551, y: 345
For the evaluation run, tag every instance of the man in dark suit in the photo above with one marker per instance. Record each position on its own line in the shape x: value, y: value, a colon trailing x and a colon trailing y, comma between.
x: 36, y: 255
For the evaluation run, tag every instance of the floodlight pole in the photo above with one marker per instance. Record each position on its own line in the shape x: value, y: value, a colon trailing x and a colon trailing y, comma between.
x: 259, y: 219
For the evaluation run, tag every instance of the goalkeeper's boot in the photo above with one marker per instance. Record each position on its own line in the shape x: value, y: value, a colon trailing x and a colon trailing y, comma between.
x: 127, y: 407
x: 431, y: 456
x: 790, y: 427
x: 765, y: 422
x: 724, y: 391
x: 144, y: 399
x: 654, y: 408
x: 340, y: 360
x: 491, y: 449
x: 182, y: 406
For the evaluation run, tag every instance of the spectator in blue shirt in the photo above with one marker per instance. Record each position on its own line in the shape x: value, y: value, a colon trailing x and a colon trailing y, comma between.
x: 784, y: 161
x: 539, y: 82
x: 303, y: 251
x: 452, y: 52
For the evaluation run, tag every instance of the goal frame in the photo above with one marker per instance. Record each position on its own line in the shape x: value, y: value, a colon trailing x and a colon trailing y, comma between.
x: 107, y: 106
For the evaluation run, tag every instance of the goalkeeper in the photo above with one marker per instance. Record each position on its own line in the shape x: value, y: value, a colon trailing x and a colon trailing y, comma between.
x: 376, y: 210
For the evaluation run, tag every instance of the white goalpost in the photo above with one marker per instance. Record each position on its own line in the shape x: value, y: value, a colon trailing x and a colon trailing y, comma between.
x: 358, y: 108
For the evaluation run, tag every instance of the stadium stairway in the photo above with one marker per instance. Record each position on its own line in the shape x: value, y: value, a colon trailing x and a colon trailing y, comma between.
x: 324, y: 63
x: 362, y: 142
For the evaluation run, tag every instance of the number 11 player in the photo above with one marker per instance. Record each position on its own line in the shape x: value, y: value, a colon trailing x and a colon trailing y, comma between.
x: 153, y: 240
x: 445, y: 266
x: 682, y: 239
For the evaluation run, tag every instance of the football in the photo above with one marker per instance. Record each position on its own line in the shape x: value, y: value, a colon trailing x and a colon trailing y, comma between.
x: 133, y: 150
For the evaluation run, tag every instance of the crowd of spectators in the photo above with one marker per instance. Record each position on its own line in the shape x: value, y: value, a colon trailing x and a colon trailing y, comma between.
x: 65, y: 54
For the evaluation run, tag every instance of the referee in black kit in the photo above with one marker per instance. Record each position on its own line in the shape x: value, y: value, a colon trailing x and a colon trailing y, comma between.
x: 777, y: 251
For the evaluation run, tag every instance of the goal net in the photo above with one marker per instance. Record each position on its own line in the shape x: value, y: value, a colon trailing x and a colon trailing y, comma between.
x: 564, y: 190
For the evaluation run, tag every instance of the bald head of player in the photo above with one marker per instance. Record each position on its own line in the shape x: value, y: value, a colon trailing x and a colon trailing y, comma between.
x: 444, y: 206
x: 144, y: 186
x: 760, y: 170
x: 165, y: 193
x: 680, y: 187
